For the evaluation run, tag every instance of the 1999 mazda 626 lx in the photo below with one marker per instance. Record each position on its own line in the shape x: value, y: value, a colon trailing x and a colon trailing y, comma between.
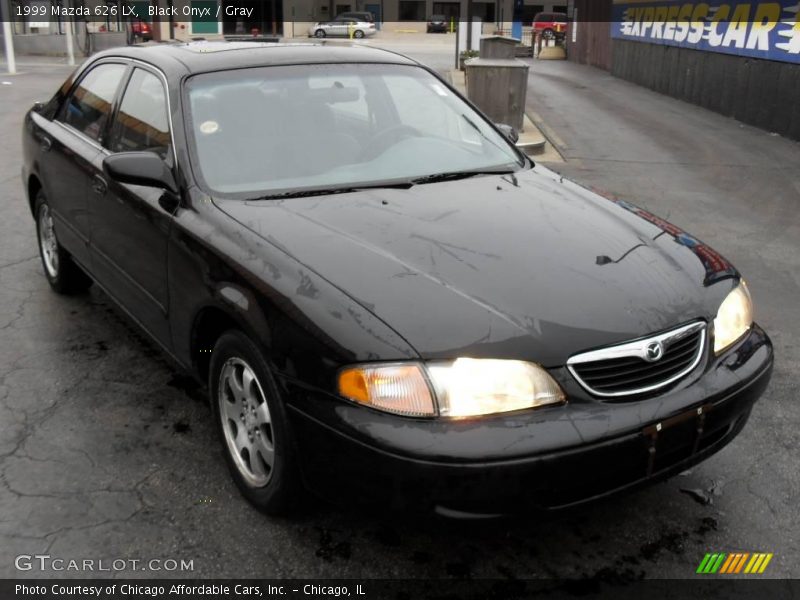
x: 386, y: 299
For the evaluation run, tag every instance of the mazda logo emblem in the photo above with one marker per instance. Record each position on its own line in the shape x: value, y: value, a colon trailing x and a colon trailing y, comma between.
x: 653, y: 351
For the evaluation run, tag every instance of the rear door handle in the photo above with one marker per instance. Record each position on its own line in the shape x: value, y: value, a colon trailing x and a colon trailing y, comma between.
x: 99, y: 185
x: 46, y: 143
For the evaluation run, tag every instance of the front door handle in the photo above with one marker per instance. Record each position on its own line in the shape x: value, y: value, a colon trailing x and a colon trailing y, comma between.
x: 99, y: 185
x: 45, y: 143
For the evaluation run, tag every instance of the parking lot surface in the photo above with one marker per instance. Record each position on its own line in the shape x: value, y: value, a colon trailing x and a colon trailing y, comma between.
x: 106, y: 452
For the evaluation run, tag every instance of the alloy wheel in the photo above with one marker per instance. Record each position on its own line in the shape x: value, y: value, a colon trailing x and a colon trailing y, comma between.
x: 246, y: 422
x: 48, y: 243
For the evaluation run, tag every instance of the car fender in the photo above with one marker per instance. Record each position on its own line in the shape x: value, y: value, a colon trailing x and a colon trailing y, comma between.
x: 306, y: 326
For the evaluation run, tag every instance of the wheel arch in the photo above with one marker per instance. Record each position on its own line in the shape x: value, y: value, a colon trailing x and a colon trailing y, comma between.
x: 33, y: 187
x: 232, y: 308
x: 208, y: 325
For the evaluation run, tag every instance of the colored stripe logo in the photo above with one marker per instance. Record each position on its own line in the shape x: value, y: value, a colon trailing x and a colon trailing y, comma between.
x: 734, y: 562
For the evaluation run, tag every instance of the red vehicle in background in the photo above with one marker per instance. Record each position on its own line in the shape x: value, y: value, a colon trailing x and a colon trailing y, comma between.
x: 551, y: 26
x: 141, y: 30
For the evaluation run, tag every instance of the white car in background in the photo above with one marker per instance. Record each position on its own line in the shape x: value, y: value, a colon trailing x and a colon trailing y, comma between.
x: 342, y: 28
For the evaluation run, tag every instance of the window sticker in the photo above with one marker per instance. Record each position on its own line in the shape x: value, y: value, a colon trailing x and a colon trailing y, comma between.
x: 209, y: 127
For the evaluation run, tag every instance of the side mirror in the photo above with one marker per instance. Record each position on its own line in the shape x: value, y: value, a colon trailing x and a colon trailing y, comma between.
x: 37, y: 107
x: 508, y: 131
x: 140, y: 168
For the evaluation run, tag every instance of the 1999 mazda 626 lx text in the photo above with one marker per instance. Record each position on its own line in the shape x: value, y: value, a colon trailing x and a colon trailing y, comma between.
x: 388, y: 302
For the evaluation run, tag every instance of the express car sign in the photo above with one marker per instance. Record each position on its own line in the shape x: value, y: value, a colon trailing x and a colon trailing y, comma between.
x: 769, y: 30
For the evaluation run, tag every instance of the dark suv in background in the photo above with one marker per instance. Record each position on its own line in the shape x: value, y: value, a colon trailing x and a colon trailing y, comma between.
x: 437, y: 24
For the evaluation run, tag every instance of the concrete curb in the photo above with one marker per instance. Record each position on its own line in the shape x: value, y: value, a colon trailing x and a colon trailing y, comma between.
x: 531, y: 140
x: 552, y: 53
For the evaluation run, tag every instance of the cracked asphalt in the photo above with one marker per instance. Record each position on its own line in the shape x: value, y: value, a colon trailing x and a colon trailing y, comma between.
x: 106, y: 452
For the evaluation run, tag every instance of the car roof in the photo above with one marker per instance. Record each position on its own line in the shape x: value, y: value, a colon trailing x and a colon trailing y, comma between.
x: 200, y: 57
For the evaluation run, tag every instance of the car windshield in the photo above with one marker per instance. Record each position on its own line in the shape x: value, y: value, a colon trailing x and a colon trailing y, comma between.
x: 270, y: 130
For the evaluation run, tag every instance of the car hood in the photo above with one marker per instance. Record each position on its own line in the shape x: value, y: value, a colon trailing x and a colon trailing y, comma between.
x: 532, y: 267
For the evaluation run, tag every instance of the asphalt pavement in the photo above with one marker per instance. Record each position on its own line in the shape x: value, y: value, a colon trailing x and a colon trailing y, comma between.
x: 106, y: 453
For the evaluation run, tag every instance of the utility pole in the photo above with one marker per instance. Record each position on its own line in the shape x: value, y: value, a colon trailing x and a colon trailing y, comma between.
x: 469, y: 24
x: 8, y: 40
x: 70, y: 47
x: 171, y: 20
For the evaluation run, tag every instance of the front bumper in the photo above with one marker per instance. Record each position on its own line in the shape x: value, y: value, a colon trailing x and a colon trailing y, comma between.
x: 547, y: 459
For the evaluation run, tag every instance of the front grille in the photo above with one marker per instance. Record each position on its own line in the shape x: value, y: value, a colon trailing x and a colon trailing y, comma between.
x: 634, y: 368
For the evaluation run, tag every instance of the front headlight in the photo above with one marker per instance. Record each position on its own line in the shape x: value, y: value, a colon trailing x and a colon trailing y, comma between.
x: 470, y: 386
x: 465, y: 387
x: 734, y: 318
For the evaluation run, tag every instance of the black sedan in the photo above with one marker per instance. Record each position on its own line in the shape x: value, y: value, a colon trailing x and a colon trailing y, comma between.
x: 387, y: 301
x: 437, y: 24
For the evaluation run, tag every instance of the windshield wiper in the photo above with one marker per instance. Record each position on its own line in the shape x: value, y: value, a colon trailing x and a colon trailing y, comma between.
x: 403, y: 185
x: 397, y: 185
x: 456, y: 175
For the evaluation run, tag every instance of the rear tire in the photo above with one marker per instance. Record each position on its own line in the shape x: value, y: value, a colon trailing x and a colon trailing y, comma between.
x: 253, y: 426
x: 549, y: 34
x: 319, y: 33
x: 358, y: 34
x: 63, y: 275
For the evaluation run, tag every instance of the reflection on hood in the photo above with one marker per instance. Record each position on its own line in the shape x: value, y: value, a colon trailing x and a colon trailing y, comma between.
x: 716, y: 266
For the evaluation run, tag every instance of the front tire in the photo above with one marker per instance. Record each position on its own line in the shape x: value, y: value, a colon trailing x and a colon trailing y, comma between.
x: 63, y: 275
x: 319, y: 33
x: 252, y: 424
